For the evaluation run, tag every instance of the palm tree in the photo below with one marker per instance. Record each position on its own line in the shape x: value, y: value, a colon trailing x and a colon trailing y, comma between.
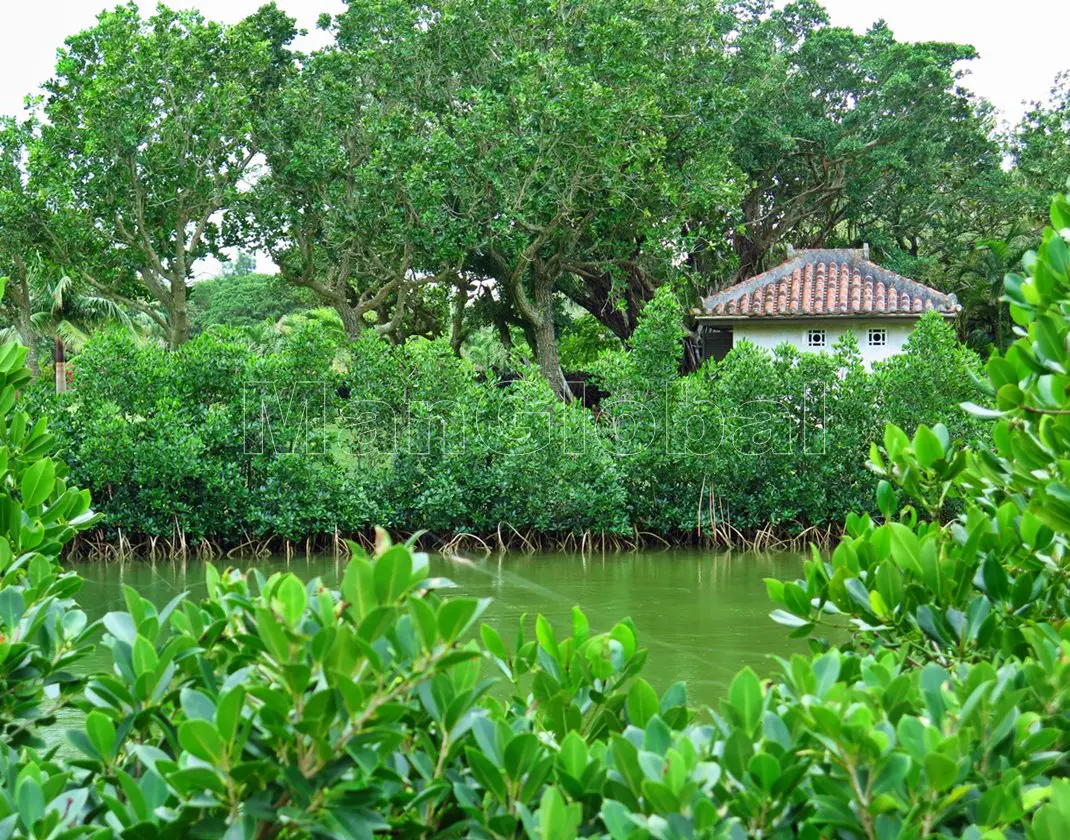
x: 45, y: 305
x: 980, y: 288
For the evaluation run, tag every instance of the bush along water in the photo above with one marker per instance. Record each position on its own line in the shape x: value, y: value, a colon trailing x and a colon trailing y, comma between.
x: 275, y: 707
x: 227, y: 443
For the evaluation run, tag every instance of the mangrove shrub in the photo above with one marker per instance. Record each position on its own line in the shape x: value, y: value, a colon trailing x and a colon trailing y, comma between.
x: 274, y: 707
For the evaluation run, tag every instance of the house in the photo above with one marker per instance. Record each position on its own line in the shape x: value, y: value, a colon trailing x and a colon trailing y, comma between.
x: 814, y: 298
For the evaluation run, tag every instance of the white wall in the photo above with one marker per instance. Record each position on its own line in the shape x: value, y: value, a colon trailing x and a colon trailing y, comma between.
x: 769, y: 334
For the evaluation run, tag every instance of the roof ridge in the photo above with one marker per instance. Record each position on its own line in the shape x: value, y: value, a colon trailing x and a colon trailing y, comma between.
x: 799, y: 286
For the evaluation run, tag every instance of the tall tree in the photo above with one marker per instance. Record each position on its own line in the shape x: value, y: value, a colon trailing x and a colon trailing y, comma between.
x: 349, y: 208
x: 848, y: 135
x: 147, y: 139
x: 572, y: 143
x: 1040, y: 146
x: 51, y: 309
x: 18, y: 241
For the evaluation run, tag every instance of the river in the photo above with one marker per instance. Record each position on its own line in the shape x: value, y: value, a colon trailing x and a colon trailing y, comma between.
x: 702, y: 615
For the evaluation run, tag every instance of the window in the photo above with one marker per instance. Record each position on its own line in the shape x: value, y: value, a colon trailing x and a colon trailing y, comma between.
x: 716, y: 343
x: 878, y: 337
x: 815, y: 338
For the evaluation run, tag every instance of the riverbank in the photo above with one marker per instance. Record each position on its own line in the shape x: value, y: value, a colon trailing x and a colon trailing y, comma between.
x: 108, y: 545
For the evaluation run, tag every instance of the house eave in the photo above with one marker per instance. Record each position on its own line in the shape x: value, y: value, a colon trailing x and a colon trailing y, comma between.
x: 822, y: 316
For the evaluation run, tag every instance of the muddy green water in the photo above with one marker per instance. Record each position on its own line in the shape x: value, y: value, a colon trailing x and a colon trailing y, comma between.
x: 703, y: 616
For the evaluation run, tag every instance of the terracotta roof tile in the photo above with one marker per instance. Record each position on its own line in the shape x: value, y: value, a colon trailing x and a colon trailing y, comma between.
x: 826, y: 282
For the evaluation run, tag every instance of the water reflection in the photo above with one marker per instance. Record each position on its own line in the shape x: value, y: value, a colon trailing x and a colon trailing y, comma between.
x: 702, y: 615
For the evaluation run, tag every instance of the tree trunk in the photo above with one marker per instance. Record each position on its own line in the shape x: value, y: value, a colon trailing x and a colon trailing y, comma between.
x: 502, y: 325
x: 750, y: 256
x: 460, y: 300
x: 545, y: 348
x: 352, y: 320
x: 20, y: 293
x: 29, y: 340
x: 179, y: 314
x: 61, y: 366
x: 549, y: 361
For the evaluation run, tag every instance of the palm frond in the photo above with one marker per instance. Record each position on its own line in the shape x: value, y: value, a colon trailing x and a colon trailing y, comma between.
x: 74, y: 337
x: 59, y: 291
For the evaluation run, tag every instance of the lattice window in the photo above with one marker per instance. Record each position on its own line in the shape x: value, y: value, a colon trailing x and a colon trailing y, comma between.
x: 878, y: 337
x: 816, y: 339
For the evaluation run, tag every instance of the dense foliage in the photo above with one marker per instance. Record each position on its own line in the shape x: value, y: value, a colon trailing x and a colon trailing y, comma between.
x: 244, y: 300
x: 230, y: 439
x: 273, y: 707
x: 464, y: 169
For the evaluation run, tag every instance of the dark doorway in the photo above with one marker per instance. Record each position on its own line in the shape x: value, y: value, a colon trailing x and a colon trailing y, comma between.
x: 716, y: 343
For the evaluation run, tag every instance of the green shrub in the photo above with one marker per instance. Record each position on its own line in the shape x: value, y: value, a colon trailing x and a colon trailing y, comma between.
x: 766, y: 439
x: 245, y: 300
x: 273, y: 707
x: 203, y: 442
x: 934, y: 371
x: 174, y: 442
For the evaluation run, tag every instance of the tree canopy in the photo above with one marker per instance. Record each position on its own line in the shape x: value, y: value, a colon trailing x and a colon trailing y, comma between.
x: 147, y: 140
x: 458, y: 166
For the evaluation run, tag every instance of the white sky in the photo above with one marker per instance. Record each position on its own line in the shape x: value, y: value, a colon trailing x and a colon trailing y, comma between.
x: 1022, y: 45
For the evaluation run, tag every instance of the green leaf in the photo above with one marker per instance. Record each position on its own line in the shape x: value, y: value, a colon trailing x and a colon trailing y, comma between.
x: 787, y: 619
x: 557, y: 821
x: 626, y: 761
x: 191, y: 780
x: 545, y: 634
x: 927, y: 446
x: 486, y: 773
x: 906, y: 548
x: 426, y: 621
x: 121, y: 626
x: 929, y: 622
x: 492, y: 641
x: 30, y: 799
x: 520, y: 754
x: 12, y: 607
x: 456, y: 615
x: 642, y: 703
x: 618, y: 819
x: 827, y: 671
x: 858, y: 593
x: 200, y: 738
x: 895, y: 440
x: 580, y: 626
x: 229, y: 713
x: 745, y: 695
x: 37, y: 482
x: 273, y: 636
x: 144, y: 656
x: 890, y: 772
x: 292, y: 597
x: 197, y: 705
x: 941, y: 771
x: 392, y: 574
x: 101, y: 732
x: 358, y: 586
x: 885, y: 499
x: 981, y: 411
x: 572, y: 755
x: 738, y: 750
x: 765, y: 769
x: 994, y: 576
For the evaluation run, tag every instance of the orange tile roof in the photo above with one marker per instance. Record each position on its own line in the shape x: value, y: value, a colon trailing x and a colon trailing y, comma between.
x: 826, y: 283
